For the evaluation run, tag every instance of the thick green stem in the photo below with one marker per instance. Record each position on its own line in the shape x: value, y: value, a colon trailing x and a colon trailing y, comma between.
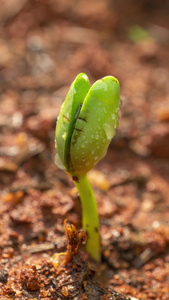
x: 90, y: 219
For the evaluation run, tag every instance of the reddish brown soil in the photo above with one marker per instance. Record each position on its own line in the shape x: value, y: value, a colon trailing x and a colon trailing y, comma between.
x: 43, y: 46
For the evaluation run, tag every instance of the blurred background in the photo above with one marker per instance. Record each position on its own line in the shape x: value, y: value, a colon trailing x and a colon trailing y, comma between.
x: 44, y: 44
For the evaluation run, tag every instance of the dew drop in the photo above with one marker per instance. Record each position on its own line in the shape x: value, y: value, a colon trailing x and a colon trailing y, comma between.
x: 74, y: 91
x: 113, y: 116
x: 116, y: 124
x: 109, y: 131
x: 82, y: 145
x: 58, y: 162
x: 96, y: 157
x: 96, y: 137
x: 64, y: 135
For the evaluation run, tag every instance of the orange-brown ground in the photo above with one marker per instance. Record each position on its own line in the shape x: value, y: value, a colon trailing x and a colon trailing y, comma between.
x: 43, y: 46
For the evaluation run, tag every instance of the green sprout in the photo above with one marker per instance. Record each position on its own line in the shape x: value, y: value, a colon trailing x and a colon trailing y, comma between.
x: 85, y: 126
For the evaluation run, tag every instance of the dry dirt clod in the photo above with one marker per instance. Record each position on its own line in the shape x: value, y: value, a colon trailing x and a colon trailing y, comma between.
x: 8, y: 292
x: 3, y: 276
x: 13, y: 198
x: 29, y: 278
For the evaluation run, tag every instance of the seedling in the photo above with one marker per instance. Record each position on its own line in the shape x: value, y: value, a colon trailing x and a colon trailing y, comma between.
x: 85, y: 126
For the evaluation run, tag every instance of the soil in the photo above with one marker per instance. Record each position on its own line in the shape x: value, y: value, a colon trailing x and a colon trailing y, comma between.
x: 43, y: 46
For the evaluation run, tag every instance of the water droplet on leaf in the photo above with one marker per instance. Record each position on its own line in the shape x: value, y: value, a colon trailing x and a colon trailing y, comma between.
x: 58, y: 162
x: 64, y: 135
x: 113, y: 116
x: 109, y: 130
